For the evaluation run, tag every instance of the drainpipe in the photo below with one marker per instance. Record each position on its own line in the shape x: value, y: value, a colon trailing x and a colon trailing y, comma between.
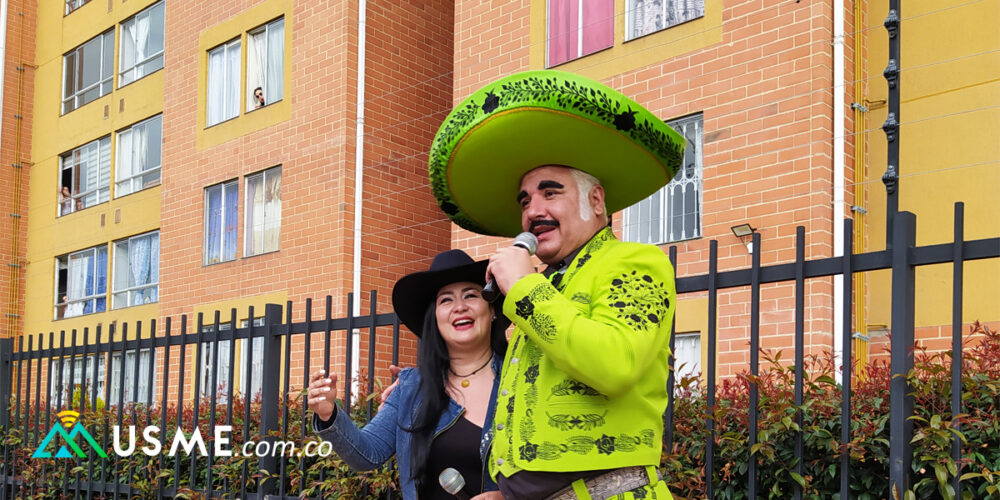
x: 359, y: 157
x: 839, y: 143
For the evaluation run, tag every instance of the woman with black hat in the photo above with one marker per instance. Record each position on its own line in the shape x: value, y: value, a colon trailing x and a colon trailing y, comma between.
x: 440, y: 415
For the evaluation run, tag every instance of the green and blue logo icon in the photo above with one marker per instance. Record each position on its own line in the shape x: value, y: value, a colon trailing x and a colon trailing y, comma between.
x: 68, y: 428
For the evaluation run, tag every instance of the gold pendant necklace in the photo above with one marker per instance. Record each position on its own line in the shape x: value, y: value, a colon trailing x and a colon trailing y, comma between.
x: 465, y: 378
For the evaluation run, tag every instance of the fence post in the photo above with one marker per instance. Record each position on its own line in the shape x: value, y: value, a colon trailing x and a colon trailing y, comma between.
x: 270, y: 399
x: 900, y: 400
x: 6, y: 378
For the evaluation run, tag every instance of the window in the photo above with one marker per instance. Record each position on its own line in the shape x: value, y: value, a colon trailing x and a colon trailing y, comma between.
x: 137, y: 270
x: 141, y: 50
x: 674, y: 212
x: 687, y: 355
x: 265, y: 64
x: 135, y: 391
x: 81, y: 282
x: 262, y: 230
x: 83, y: 378
x: 72, y: 5
x: 578, y: 27
x: 138, y: 160
x: 87, y: 71
x: 223, y: 83
x: 223, y: 365
x: 85, y: 174
x: 646, y: 16
x: 220, y: 222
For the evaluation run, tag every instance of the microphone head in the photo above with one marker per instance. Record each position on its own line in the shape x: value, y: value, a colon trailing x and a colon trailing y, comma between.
x: 527, y: 241
x: 451, y: 481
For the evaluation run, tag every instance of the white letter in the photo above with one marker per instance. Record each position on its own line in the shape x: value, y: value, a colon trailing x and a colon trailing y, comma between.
x: 147, y: 434
x: 222, y: 441
x: 245, y: 446
x: 131, y: 442
x: 179, y: 439
x: 327, y: 451
x: 267, y: 448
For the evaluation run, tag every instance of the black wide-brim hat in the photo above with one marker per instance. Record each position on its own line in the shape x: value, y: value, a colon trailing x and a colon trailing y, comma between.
x: 545, y: 117
x: 414, y: 292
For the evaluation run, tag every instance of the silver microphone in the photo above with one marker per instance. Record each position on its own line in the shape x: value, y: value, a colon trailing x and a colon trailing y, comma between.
x: 525, y: 240
x: 452, y: 483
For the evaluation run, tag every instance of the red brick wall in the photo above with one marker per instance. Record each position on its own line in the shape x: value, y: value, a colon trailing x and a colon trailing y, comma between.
x: 765, y: 93
x: 408, y: 49
x: 15, y: 147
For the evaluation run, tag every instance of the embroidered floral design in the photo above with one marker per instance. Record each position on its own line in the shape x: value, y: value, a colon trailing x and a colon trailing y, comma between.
x: 640, y: 301
x: 639, y: 492
x: 490, y: 103
x: 606, y: 444
x: 510, y: 405
x: 541, y: 293
x: 573, y: 387
x: 584, y: 422
x: 625, y: 121
x: 581, y: 298
x: 524, y: 307
x: 543, y: 325
x: 531, y: 374
x: 529, y: 451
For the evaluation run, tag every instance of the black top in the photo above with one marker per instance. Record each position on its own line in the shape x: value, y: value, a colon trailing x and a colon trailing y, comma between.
x: 458, y: 448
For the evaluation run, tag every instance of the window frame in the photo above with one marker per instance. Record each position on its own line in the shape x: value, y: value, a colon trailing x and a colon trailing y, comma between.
x: 103, y: 193
x: 82, y: 373
x: 61, y: 308
x: 148, y: 12
x: 128, y: 290
x: 632, y: 229
x: 235, y: 44
x: 134, y: 388
x: 580, y: 29
x: 119, y: 141
x: 78, y: 95
x: 265, y: 29
x: 248, y: 207
x: 69, y: 6
x: 224, y: 187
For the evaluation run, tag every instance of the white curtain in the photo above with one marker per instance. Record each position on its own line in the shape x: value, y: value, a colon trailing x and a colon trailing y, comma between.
x: 216, y: 86
x: 232, y: 81
x: 76, y: 289
x: 141, y: 33
x: 127, y: 59
x: 272, y: 210
x: 124, y: 171
x: 256, y: 63
x: 274, y: 89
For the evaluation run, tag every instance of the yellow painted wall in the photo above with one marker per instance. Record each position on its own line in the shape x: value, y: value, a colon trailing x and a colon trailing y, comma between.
x: 950, y: 151
x: 627, y: 56
x: 50, y: 236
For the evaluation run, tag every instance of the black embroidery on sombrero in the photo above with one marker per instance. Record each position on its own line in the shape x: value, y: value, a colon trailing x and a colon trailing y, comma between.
x: 570, y: 421
x: 529, y: 451
x: 625, y: 121
x: 572, y: 387
x: 640, y: 300
x: 491, y: 103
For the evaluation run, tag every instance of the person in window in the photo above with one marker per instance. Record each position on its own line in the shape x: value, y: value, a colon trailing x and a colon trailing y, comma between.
x: 258, y: 98
x: 583, y: 385
x: 66, y: 204
x: 440, y: 415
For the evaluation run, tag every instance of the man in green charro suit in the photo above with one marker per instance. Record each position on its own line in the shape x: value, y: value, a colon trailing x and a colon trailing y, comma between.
x: 583, y: 386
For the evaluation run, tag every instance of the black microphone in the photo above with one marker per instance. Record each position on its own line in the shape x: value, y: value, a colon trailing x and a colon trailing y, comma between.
x: 524, y: 240
x: 452, y: 483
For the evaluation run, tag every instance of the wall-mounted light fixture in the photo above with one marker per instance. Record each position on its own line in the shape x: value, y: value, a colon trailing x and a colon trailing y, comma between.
x: 745, y: 233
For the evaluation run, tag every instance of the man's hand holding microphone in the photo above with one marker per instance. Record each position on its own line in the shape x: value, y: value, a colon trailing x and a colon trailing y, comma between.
x: 508, y: 265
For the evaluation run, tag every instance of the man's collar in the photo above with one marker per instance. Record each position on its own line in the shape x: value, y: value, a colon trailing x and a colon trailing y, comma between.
x: 567, y: 260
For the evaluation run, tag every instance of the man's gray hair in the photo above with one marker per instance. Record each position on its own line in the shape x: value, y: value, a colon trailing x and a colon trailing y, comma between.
x: 584, y: 183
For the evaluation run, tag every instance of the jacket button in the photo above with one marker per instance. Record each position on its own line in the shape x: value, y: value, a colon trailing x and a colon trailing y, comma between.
x: 500, y: 427
x: 503, y: 392
x: 499, y: 461
x: 513, y: 361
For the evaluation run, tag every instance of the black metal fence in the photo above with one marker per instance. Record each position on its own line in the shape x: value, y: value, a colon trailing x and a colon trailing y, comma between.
x: 30, y: 412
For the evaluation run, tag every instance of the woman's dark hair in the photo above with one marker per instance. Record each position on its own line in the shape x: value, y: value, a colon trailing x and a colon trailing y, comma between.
x: 432, y: 364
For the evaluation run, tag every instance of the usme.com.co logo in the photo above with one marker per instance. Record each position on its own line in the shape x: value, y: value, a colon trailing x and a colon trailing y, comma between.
x: 68, y: 428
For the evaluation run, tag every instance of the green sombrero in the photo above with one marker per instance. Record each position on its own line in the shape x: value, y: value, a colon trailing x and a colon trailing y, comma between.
x: 536, y: 118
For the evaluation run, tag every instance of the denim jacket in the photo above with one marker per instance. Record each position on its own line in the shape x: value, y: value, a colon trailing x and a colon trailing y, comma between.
x: 385, y: 436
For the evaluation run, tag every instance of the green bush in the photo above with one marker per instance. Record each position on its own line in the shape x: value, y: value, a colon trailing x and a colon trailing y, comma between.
x: 933, y: 468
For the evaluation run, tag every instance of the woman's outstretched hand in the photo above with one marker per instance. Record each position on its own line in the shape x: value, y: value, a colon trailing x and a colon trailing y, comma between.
x: 322, y: 394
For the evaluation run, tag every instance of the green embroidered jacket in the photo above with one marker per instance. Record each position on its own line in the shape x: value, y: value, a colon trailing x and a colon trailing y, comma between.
x: 583, y: 385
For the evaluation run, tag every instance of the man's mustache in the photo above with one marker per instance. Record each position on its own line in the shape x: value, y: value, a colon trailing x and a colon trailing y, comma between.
x: 536, y: 223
